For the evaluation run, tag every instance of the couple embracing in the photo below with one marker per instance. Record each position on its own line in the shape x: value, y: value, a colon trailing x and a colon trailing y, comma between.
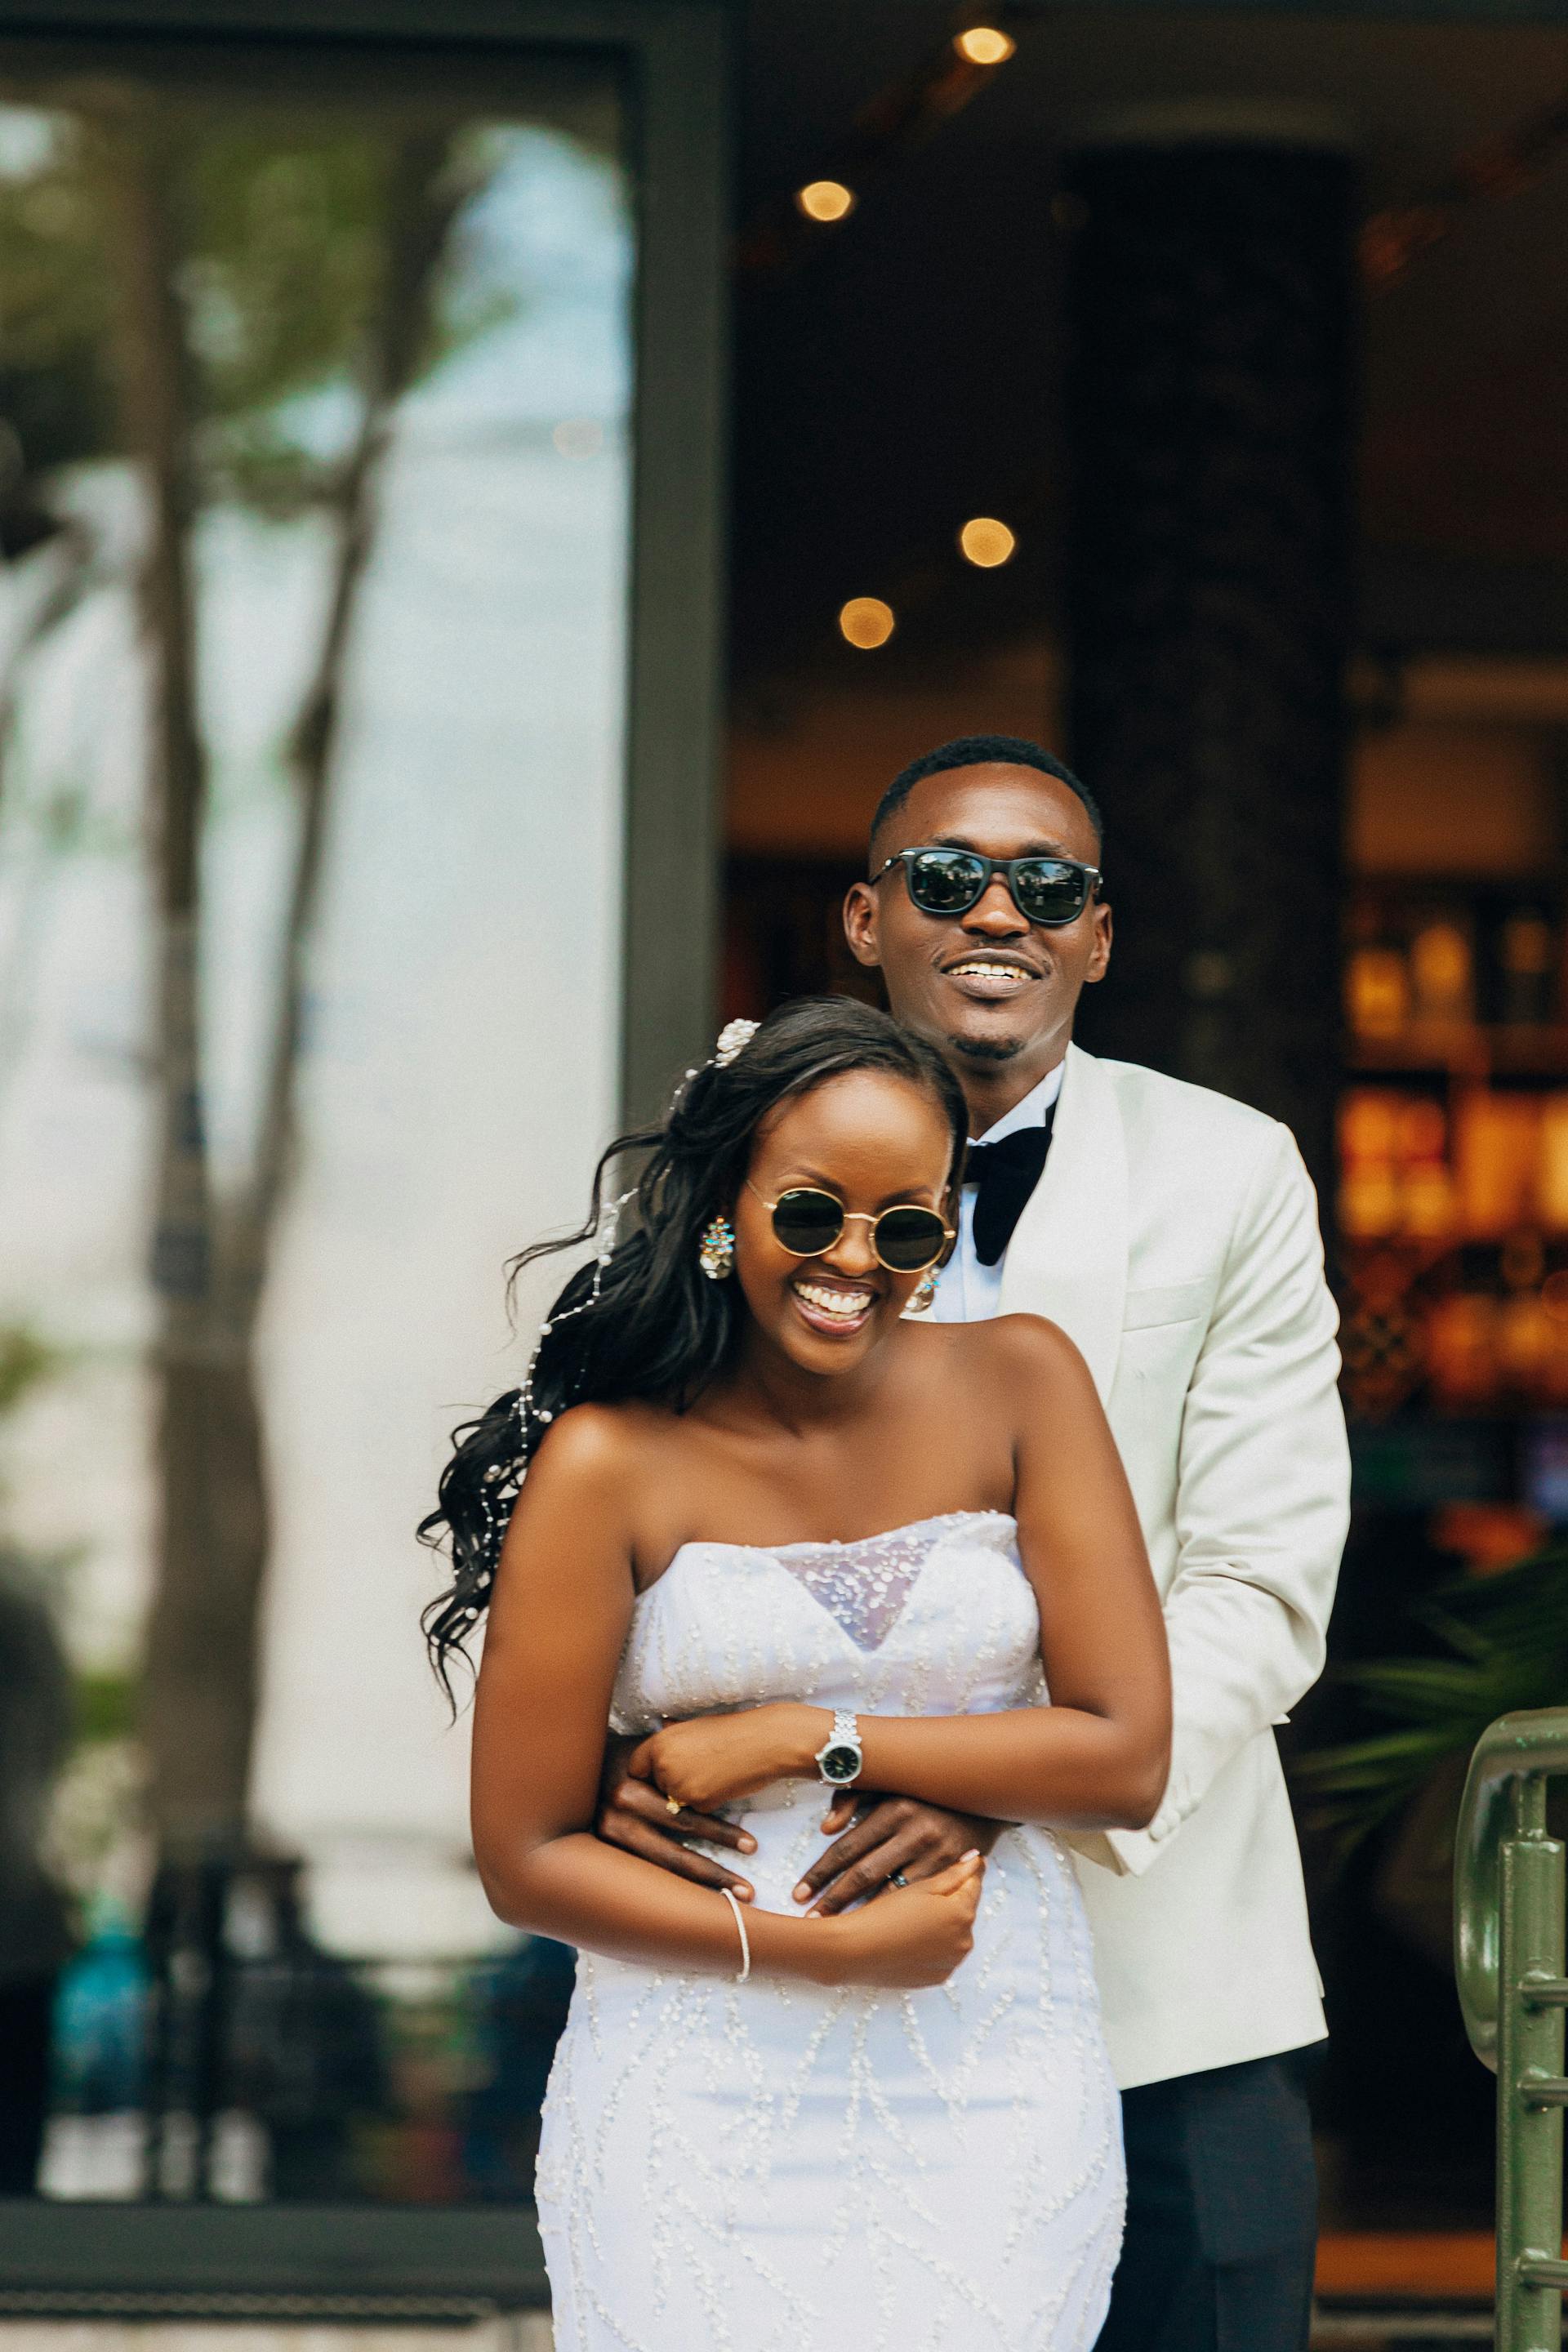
x: 932, y: 1504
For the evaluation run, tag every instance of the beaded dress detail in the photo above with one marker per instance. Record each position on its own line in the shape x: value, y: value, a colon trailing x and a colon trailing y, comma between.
x: 779, y: 2166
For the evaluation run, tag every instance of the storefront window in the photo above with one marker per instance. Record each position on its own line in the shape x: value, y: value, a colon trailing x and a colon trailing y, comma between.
x: 1453, y: 1198
x: 314, y: 390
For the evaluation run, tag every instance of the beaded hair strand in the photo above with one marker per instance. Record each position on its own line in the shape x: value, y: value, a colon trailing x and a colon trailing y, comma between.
x: 507, y: 1436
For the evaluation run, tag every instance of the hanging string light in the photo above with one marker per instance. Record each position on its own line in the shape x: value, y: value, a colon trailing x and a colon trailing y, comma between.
x: 985, y: 44
x: 985, y: 542
x: 826, y: 200
x: 901, y: 117
x: 1391, y: 240
x: 865, y: 622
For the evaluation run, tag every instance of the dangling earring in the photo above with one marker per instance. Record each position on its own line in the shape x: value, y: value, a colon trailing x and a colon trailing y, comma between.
x: 715, y: 1250
x: 923, y: 1292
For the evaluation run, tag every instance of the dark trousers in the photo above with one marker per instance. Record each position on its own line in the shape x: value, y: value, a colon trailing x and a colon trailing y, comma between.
x: 25, y: 2009
x: 1222, y: 2212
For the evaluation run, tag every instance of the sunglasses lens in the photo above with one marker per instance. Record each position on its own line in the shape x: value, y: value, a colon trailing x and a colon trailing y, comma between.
x: 908, y: 1239
x: 807, y: 1222
x: 944, y: 881
x: 1049, y: 891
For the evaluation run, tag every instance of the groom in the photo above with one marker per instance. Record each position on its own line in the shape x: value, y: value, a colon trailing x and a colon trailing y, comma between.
x: 1172, y: 1233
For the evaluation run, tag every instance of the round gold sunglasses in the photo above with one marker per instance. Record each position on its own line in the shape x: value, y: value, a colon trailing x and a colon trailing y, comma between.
x: 807, y: 1222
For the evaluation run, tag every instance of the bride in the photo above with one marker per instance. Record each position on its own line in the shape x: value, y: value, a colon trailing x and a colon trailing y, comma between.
x: 794, y: 1539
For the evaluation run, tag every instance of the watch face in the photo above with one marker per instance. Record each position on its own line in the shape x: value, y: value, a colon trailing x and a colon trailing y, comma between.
x: 840, y: 1763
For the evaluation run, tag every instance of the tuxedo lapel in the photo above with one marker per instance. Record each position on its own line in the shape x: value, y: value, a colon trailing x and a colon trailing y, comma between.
x: 1068, y: 1257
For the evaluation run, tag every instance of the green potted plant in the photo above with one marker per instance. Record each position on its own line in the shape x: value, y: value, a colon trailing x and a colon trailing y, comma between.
x: 1500, y: 1643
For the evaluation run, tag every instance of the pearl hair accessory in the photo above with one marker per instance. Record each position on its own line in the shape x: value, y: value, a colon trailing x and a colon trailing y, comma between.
x: 732, y: 1039
x: 734, y: 1036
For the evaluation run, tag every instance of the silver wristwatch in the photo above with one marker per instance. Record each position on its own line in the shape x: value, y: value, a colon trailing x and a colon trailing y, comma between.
x: 839, y: 1759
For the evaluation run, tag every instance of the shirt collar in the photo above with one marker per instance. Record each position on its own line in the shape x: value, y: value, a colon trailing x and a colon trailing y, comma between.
x: 1031, y: 1112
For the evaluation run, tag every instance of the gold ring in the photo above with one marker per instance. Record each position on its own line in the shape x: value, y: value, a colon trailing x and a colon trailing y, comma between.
x: 672, y: 1804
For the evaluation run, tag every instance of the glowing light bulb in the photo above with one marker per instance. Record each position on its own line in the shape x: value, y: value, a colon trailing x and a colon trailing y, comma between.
x: 866, y: 622
x: 985, y: 542
x: 826, y: 200
x: 984, y: 45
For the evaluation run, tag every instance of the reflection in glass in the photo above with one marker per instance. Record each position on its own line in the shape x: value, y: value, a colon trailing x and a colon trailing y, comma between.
x: 313, y: 389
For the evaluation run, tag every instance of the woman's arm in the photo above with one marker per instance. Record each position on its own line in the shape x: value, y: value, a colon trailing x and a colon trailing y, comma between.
x: 1096, y: 1758
x: 1099, y: 1755
x: 558, y: 1620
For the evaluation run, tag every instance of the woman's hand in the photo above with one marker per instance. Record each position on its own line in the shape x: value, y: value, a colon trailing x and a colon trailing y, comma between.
x: 713, y: 1759
x: 915, y: 1935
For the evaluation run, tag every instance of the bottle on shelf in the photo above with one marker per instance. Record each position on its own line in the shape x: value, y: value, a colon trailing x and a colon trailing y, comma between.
x: 1442, y: 973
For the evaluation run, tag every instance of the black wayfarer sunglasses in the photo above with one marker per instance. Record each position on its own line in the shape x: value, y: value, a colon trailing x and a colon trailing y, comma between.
x: 807, y: 1222
x: 1047, y: 890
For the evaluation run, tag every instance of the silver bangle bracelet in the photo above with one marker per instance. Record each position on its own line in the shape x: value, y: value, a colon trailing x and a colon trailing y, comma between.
x: 745, y: 1939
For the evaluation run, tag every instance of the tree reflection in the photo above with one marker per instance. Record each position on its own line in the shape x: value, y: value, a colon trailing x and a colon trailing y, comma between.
x: 234, y: 313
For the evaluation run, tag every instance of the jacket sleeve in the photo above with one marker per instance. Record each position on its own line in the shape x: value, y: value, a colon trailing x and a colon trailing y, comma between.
x: 1262, y: 1498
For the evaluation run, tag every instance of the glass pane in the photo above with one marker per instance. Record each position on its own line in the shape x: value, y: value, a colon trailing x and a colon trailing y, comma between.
x: 315, y: 387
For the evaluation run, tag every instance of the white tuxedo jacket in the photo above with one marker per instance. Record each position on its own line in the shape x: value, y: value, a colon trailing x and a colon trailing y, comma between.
x: 1174, y: 1236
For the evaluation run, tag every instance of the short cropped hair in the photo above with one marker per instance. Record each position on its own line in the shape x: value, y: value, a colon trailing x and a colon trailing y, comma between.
x: 984, y: 751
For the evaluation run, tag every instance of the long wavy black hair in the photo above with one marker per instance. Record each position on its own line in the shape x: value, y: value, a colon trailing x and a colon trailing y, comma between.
x: 644, y: 1321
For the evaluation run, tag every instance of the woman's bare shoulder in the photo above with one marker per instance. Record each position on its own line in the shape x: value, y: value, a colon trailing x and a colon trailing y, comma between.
x: 597, y: 1445
x: 1007, y: 1339
x: 1012, y: 1348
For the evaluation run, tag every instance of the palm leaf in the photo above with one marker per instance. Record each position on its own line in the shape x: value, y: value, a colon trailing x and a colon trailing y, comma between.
x: 1507, y: 1639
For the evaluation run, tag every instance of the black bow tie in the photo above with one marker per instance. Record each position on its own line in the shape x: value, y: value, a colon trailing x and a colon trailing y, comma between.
x: 1007, y: 1173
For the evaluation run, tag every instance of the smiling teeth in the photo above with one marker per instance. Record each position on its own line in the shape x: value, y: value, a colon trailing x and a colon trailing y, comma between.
x: 845, y: 1304
x: 990, y: 971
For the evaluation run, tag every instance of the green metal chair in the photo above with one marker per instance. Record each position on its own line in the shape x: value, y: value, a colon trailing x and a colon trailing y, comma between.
x: 1509, y: 1898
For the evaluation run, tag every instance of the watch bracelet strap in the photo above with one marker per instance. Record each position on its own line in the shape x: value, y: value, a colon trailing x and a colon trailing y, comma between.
x: 846, y: 1733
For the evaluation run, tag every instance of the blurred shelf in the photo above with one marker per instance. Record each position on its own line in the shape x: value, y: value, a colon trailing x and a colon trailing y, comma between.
x: 1378, y: 2290
x: 1469, y: 1050
x: 1417, y: 2263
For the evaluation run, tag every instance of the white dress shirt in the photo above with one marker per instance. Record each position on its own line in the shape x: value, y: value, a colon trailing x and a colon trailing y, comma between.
x: 967, y: 1291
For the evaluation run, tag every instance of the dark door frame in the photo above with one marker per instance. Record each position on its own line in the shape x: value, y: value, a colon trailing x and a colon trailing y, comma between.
x: 379, y: 2263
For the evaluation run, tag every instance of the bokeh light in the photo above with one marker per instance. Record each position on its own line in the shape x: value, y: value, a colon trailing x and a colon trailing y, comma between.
x: 866, y: 622
x: 826, y: 200
x: 985, y: 542
x: 984, y: 45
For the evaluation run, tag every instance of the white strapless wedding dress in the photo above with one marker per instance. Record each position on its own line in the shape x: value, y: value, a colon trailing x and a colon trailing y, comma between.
x: 782, y: 2168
